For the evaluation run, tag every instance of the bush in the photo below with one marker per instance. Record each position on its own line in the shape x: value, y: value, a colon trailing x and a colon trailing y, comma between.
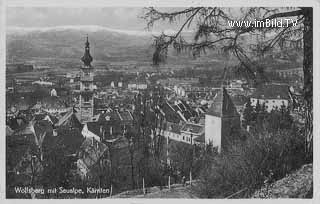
x: 263, y: 157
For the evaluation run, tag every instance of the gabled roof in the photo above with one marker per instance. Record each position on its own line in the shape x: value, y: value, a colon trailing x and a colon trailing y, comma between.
x: 111, y: 116
x: 169, y: 113
x: 272, y: 91
x: 43, y: 128
x: 222, y: 105
x: 26, y: 129
x: 126, y: 115
x: 38, y: 129
x: 53, y: 102
x: 200, y: 139
x: 192, y: 128
x: 115, y: 117
x: 69, y: 119
x: 94, y: 127
x: 71, y: 139
x: 91, y: 151
x: 182, y: 107
x: 45, y: 116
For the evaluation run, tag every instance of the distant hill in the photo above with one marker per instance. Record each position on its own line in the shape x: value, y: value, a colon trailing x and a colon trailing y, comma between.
x: 68, y: 42
x: 112, y: 45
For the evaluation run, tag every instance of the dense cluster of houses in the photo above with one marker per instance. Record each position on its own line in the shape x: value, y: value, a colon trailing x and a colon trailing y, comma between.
x: 85, y: 126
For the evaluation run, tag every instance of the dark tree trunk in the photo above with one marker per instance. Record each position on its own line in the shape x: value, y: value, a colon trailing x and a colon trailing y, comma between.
x: 308, y: 79
x: 132, y: 169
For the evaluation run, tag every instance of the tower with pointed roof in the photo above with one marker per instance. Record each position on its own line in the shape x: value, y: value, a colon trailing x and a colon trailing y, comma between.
x: 86, y: 86
x: 221, y: 120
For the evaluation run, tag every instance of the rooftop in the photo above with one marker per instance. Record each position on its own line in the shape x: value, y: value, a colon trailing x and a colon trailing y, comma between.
x: 193, y: 128
x: 222, y: 105
x: 53, y: 102
x: 272, y: 91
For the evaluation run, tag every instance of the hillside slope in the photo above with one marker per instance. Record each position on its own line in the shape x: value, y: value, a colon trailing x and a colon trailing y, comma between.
x: 295, y: 185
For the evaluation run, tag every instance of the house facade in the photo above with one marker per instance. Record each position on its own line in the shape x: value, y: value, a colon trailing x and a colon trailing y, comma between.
x: 272, y: 96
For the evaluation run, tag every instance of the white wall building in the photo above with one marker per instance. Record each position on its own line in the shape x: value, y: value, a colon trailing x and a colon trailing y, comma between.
x: 273, y: 96
x: 221, y: 120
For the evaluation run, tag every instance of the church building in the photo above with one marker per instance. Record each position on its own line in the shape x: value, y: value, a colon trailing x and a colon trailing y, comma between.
x: 222, y: 121
x: 86, y: 86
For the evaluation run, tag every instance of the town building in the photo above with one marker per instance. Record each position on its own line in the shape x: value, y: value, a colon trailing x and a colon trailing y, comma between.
x: 138, y: 85
x: 90, y: 154
x: 272, y: 95
x: 18, y: 67
x: 222, y: 121
x: 183, y: 90
x: 286, y: 73
x: 42, y: 82
x: 52, y: 105
x: 191, y: 131
x: 108, y: 125
x: 171, y: 82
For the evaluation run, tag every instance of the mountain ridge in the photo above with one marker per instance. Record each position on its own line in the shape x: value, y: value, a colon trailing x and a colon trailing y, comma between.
x: 88, y: 28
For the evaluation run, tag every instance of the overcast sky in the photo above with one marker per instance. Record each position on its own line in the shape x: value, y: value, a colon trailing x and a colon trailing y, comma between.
x: 113, y: 17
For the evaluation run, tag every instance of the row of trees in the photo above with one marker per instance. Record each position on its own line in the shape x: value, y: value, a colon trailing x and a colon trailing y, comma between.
x: 245, y: 167
x: 257, y: 117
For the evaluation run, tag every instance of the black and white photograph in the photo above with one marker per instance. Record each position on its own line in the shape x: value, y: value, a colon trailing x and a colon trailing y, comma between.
x: 187, y: 102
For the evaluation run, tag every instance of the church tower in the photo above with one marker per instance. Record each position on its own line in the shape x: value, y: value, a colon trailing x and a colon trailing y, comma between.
x: 221, y: 121
x: 86, y: 86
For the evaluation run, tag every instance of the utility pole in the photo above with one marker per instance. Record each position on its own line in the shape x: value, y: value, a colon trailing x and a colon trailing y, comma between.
x: 131, y: 151
x: 190, y: 174
x: 143, y: 188
x: 168, y: 160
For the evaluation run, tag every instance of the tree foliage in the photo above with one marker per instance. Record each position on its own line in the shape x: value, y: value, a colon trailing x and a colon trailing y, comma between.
x: 212, y: 32
x: 260, y: 160
x: 259, y: 119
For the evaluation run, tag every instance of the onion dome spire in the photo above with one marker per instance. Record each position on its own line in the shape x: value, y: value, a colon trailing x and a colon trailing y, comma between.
x: 87, y: 59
